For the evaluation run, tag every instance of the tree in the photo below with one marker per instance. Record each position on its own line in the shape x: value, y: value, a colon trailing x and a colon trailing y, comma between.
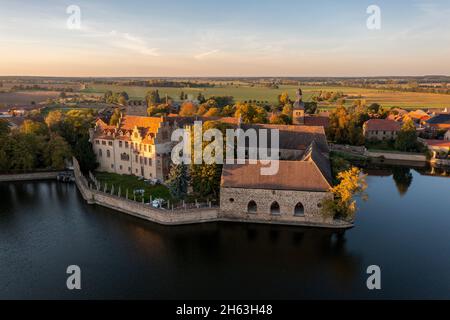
x: 374, y: 108
x: 178, y: 181
x: 346, y: 126
x: 85, y: 155
x: 57, y: 151
x: 33, y: 127
x: 108, y: 96
x: 288, y: 109
x: 158, y: 110
x: 213, y: 112
x: 54, y: 119
x: 283, y: 98
x: 250, y: 113
x: 4, y: 127
x: 201, y: 98
x: 182, y: 95
x: 115, y: 117
x: 310, y: 107
x: 279, y: 119
x: 352, y: 183
x: 152, y: 97
x: 407, y: 137
x: 188, y: 109
x: 205, y: 178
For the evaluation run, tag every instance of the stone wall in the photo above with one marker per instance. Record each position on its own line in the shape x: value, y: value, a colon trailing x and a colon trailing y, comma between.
x: 234, y: 206
x: 286, y: 199
x: 29, y: 176
x: 138, y: 209
x: 403, y: 156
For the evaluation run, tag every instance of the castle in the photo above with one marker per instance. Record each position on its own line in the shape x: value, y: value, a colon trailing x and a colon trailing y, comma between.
x: 141, y: 146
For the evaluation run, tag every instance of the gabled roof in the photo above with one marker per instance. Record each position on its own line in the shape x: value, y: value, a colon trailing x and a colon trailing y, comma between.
x: 443, y: 118
x: 382, y: 125
x: 295, y: 137
x: 312, y: 173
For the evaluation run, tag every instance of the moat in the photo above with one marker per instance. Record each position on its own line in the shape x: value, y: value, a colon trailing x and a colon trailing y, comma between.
x: 403, y: 228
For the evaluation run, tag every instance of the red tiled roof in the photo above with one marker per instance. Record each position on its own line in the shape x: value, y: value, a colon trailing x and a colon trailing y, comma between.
x: 292, y: 175
x: 382, y: 125
x: 438, y: 143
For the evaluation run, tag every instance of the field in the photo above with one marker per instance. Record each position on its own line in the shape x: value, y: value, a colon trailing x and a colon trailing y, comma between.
x: 386, y: 98
x: 26, y: 97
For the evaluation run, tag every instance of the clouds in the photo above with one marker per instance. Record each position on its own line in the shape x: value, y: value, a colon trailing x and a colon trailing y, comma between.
x: 203, y: 55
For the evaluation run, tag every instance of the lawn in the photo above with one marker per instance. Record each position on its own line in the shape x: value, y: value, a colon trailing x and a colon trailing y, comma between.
x: 386, y: 98
x: 132, y: 183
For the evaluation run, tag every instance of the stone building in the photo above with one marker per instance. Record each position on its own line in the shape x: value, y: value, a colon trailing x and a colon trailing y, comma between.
x: 139, y: 146
x: 293, y: 195
x: 381, y: 129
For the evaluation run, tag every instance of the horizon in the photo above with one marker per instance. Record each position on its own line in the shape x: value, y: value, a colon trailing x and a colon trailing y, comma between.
x: 213, y: 39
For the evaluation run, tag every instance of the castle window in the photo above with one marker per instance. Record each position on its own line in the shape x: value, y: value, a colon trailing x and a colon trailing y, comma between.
x: 150, y: 162
x: 275, y: 208
x: 108, y: 153
x: 100, y: 152
x: 120, y: 144
x: 97, y: 142
x: 104, y: 142
x: 126, y: 144
x: 145, y: 147
x: 231, y: 200
x: 109, y: 143
x: 251, y: 207
x: 299, y: 209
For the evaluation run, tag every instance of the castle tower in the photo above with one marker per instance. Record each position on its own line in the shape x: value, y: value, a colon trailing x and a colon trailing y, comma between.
x: 298, y: 113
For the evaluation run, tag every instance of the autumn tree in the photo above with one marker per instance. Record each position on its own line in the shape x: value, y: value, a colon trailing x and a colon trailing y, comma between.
x: 188, y: 109
x: 352, y: 183
x: 54, y: 119
x: 115, y: 117
x: 250, y: 113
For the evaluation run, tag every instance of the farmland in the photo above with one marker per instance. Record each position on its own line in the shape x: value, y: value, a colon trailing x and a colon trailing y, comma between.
x: 387, y: 98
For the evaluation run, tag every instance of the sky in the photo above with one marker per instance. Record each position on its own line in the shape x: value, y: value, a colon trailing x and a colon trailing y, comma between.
x: 224, y: 38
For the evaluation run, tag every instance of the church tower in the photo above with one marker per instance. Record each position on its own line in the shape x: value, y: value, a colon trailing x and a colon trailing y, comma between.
x: 298, y: 113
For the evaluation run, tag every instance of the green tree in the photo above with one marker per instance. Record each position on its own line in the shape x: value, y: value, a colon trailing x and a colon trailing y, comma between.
x: 57, y: 151
x: 85, y: 155
x: 4, y: 127
x: 152, y: 97
x: 178, y: 181
x: 407, y: 137
x: 310, y: 107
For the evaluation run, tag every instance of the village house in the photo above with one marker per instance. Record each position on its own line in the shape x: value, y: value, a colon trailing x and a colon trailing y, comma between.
x: 381, y: 129
x: 440, y: 122
x: 447, y: 135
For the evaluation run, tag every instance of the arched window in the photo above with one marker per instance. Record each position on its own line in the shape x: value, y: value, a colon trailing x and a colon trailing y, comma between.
x: 108, y: 153
x: 251, y: 207
x: 299, y: 209
x: 275, y: 208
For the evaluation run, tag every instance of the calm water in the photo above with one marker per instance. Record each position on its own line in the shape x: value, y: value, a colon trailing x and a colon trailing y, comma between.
x: 404, y: 228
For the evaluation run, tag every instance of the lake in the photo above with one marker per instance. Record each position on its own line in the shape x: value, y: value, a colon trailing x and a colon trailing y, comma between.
x: 404, y: 228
